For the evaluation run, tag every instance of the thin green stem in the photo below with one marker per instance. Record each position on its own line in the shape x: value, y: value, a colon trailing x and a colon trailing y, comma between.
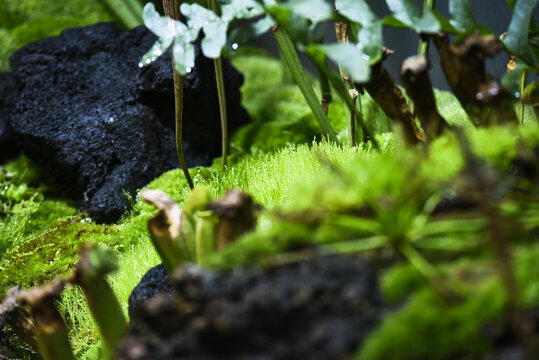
x: 222, y: 107
x: 423, y: 47
x: 290, y: 55
x: 172, y: 10
x: 178, y: 115
x: 325, y: 96
x: 95, y: 263
x: 523, y: 81
x: 219, y: 78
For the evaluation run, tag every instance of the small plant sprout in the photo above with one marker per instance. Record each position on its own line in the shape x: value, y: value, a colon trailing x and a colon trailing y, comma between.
x: 18, y: 317
x: 95, y: 263
x: 166, y: 229
x: 51, y: 331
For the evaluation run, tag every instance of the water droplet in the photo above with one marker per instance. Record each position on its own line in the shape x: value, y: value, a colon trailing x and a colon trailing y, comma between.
x: 188, y: 70
x: 147, y: 61
x: 111, y: 120
x: 140, y: 64
x: 157, y: 52
x: 235, y: 46
x: 517, y: 95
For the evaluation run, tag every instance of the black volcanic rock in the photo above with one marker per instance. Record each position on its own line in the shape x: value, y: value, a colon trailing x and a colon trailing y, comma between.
x: 155, y: 281
x: 101, y: 125
x: 320, y: 308
x: 8, y: 93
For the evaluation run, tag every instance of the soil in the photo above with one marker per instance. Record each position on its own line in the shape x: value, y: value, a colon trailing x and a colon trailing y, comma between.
x: 320, y: 308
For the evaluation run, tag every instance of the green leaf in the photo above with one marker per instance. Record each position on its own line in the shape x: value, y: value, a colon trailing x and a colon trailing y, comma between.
x: 407, y: 12
x: 445, y: 25
x: 314, y: 10
x: 214, y: 27
x: 462, y: 17
x: 214, y: 39
x: 169, y: 30
x: 531, y: 94
x: 162, y: 26
x: 184, y: 56
x: 370, y: 41
x: 516, y: 40
x: 351, y: 58
x: 291, y: 57
x: 356, y: 10
x: 241, y: 9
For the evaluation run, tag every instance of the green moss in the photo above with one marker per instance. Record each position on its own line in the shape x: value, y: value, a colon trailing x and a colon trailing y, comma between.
x: 400, y: 281
x: 38, y: 260
x: 428, y: 328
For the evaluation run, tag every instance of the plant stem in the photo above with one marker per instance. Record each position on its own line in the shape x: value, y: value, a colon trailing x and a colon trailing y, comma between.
x: 166, y: 229
x: 172, y: 10
x: 51, y: 332
x: 423, y: 47
x: 290, y: 55
x: 95, y: 263
x: 523, y: 81
x: 218, y: 64
x: 428, y: 271
x: 342, y: 31
x: 125, y: 12
x: 220, y: 80
x: 326, y: 96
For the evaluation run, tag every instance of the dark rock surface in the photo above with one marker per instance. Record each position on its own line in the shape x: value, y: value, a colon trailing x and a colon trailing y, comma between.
x: 8, y: 92
x: 100, y: 124
x: 155, y: 281
x: 319, y: 308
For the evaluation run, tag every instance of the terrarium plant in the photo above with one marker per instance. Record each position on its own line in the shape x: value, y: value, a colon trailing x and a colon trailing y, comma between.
x: 440, y: 204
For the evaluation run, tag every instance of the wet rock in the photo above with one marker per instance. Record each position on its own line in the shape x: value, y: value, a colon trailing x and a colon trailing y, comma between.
x: 155, y: 281
x: 321, y: 308
x: 8, y: 92
x: 90, y: 116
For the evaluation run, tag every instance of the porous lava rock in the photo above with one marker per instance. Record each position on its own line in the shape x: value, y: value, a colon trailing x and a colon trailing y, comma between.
x: 88, y: 114
x: 155, y: 281
x: 8, y: 92
x: 320, y: 308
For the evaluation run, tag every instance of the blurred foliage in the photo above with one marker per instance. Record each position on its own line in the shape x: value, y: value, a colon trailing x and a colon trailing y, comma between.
x: 25, y: 21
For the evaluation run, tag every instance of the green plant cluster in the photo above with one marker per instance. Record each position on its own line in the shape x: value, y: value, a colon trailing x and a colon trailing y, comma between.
x: 311, y: 195
x: 25, y: 21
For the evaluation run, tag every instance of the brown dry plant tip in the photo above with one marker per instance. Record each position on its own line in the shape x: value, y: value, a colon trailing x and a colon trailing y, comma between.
x: 483, y: 98
x: 17, y: 317
x: 51, y: 331
x: 172, y: 10
x: 383, y: 89
x: 95, y: 263
x: 415, y: 79
x: 237, y: 214
x: 165, y: 227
